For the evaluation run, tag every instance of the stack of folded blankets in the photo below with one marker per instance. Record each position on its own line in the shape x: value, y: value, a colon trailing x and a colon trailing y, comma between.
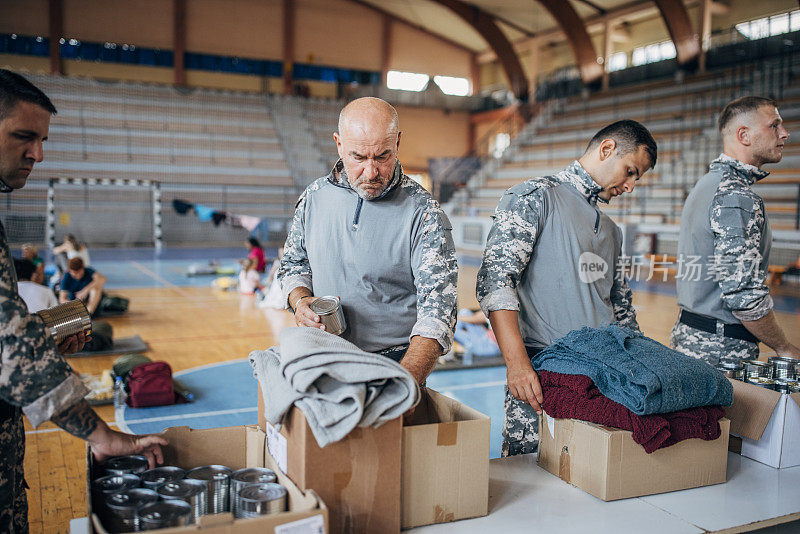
x: 617, y: 377
x: 335, y: 384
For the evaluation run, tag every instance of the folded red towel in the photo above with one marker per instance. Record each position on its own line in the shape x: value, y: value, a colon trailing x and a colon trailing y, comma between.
x: 576, y: 397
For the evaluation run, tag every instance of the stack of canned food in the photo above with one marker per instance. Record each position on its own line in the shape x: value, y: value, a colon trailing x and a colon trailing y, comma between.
x: 778, y: 374
x: 132, y: 498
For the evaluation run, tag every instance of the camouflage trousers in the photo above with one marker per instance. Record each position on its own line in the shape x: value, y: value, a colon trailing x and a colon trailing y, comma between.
x: 713, y: 348
x: 13, y: 499
x: 520, y: 427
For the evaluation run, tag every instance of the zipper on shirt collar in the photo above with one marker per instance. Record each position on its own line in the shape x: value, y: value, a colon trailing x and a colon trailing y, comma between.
x: 357, y: 215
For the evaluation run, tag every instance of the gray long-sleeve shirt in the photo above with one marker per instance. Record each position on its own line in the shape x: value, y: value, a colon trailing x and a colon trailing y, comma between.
x: 391, y: 260
x: 554, y: 256
x: 724, y: 245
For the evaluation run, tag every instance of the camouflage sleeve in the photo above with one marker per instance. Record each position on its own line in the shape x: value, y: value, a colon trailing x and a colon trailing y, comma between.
x: 32, y: 374
x: 621, y: 294
x: 435, y: 270
x: 509, y: 246
x: 737, y: 221
x: 294, y: 270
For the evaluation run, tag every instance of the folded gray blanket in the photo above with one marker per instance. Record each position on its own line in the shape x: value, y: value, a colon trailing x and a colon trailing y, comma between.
x: 638, y: 372
x: 335, y: 384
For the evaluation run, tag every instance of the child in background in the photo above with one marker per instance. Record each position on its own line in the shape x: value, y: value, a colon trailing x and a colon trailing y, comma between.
x: 249, y: 280
x: 30, y: 252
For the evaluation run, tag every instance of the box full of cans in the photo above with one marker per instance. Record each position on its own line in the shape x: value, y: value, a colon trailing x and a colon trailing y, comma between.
x: 218, y: 480
x: 765, y: 413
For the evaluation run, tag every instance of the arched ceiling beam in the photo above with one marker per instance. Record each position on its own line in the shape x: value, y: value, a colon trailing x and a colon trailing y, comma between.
x: 485, y: 25
x: 687, y: 43
x: 578, y: 38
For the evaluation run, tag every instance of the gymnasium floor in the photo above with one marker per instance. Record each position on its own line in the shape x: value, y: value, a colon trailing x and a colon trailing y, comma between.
x: 206, y: 334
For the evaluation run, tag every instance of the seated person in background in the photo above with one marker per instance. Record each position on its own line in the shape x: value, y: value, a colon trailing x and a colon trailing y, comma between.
x: 36, y: 296
x: 30, y: 252
x: 249, y: 280
x: 69, y: 249
x: 256, y: 253
x: 82, y: 283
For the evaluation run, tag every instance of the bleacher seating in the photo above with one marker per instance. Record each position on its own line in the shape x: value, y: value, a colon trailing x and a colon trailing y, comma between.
x: 219, y: 148
x: 681, y: 117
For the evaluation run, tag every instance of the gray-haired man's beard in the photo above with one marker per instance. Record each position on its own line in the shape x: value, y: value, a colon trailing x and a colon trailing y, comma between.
x: 368, y: 195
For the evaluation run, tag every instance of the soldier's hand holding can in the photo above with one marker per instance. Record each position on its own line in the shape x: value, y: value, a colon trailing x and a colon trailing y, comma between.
x: 304, y: 315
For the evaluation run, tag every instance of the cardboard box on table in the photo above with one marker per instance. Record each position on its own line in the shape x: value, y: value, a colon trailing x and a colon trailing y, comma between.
x: 768, y: 423
x: 381, y: 479
x: 235, y: 447
x: 607, y: 463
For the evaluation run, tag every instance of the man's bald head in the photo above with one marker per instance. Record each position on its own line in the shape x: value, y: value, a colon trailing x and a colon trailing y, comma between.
x: 370, y: 116
x: 368, y: 141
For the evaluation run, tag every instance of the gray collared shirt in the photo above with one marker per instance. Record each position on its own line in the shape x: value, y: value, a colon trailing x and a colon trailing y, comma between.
x: 554, y: 256
x: 724, y: 245
x: 391, y: 260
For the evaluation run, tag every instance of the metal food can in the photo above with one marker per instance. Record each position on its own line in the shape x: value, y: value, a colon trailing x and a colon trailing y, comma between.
x: 261, y: 499
x: 218, y: 479
x: 164, y: 514
x: 782, y: 386
x: 784, y: 368
x: 732, y: 370
x: 330, y: 314
x: 158, y: 476
x: 243, y: 477
x: 192, y: 492
x: 756, y: 369
x: 104, y: 486
x: 66, y: 320
x: 767, y: 383
x: 123, y: 508
x: 125, y: 465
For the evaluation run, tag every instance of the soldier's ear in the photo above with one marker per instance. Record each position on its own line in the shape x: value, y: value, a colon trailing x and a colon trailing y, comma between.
x: 743, y: 135
x: 607, y: 147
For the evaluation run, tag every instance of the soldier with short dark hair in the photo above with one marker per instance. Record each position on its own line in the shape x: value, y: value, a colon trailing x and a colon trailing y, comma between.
x: 726, y: 308
x: 552, y: 264
x: 34, y: 377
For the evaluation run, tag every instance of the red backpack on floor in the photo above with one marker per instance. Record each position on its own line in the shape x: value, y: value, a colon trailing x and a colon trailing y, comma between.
x: 150, y: 384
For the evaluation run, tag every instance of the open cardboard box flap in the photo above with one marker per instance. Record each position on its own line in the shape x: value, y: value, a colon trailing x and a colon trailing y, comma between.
x: 752, y: 408
x: 445, y: 462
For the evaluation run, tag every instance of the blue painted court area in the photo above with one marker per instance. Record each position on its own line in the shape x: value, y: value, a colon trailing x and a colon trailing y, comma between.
x: 226, y: 395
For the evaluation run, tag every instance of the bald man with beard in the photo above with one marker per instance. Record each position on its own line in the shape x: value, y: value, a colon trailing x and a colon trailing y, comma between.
x: 726, y: 308
x: 375, y: 238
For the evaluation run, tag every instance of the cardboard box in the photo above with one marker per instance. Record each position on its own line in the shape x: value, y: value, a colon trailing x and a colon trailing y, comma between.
x: 357, y: 477
x: 607, y: 463
x: 445, y: 462
x: 768, y: 423
x: 235, y: 447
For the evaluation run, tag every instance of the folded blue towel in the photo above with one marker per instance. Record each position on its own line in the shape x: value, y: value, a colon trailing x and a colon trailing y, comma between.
x: 641, y: 374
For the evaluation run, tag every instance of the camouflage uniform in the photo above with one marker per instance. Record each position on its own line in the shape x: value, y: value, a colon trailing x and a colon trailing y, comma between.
x: 34, y: 380
x: 548, y: 208
x: 734, y: 242
x: 414, y: 296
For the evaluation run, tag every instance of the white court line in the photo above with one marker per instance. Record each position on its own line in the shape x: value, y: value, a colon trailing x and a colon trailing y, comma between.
x: 191, y: 415
x: 49, y: 430
x: 157, y: 278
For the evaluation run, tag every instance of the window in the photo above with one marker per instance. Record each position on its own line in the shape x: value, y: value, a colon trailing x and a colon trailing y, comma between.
x: 652, y: 53
x: 617, y: 61
x: 452, y: 86
x: 407, y: 81
x: 769, y: 26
